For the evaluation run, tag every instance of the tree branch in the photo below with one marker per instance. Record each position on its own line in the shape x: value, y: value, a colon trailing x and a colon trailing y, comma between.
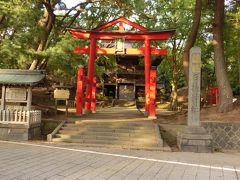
x: 192, y: 37
x: 74, y: 7
x: 2, y: 18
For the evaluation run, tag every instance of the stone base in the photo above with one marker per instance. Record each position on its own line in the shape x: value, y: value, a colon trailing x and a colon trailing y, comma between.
x: 19, y: 132
x: 87, y: 111
x: 152, y: 117
x: 146, y: 113
x: 194, y: 139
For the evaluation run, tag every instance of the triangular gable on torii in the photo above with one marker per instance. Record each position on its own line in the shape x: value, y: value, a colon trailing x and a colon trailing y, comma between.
x: 142, y: 34
x: 120, y: 20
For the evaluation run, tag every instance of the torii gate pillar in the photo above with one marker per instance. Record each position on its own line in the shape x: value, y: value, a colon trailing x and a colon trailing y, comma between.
x: 147, y: 65
x: 90, y: 74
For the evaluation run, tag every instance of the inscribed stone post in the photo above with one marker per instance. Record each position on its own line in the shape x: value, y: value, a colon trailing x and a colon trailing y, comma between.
x: 194, y: 87
x: 194, y: 138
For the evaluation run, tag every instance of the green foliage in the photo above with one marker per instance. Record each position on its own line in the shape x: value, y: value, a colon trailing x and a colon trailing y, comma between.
x: 18, y: 30
x: 232, y: 44
x: 19, y: 35
x: 63, y: 63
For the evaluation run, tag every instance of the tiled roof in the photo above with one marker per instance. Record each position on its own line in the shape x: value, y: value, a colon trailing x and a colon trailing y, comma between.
x: 21, y: 77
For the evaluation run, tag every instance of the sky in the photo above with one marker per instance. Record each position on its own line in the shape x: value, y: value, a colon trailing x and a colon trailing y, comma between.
x: 71, y: 3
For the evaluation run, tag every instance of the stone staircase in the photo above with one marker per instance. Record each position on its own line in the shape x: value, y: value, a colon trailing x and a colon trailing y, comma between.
x: 123, y: 103
x: 127, y: 133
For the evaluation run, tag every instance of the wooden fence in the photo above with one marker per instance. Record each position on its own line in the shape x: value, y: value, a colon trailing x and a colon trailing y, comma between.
x: 20, y: 117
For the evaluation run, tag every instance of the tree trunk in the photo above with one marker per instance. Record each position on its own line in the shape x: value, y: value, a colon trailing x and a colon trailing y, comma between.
x: 225, y: 91
x: 238, y: 41
x: 192, y: 37
x: 174, y: 102
x: 46, y: 24
x: 2, y: 19
x: 238, y: 54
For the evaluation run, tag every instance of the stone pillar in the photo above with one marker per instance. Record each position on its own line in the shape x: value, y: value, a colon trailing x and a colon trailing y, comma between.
x: 3, y: 97
x: 194, y: 87
x: 29, y: 98
x: 194, y: 138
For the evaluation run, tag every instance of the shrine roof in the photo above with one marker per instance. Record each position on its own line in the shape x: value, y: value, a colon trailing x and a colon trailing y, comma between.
x: 21, y: 77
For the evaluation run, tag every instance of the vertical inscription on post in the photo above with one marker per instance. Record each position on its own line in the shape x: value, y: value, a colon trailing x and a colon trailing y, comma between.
x: 194, y: 87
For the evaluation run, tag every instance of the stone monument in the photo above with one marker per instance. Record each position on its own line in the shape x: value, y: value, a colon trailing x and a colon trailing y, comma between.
x: 194, y: 138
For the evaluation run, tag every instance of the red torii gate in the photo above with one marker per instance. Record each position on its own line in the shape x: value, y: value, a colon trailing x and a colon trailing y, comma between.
x: 142, y: 35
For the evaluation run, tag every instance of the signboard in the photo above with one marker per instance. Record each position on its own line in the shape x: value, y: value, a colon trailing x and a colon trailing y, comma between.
x: 16, y: 94
x: 61, y: 94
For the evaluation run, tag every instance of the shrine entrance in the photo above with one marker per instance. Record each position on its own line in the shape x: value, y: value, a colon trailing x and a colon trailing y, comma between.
x: 120, y: 37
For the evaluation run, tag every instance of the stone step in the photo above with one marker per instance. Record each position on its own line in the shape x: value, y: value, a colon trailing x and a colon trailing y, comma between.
x: 143, y: 139
x: 117, y: 130
x: 123, y: 103
x: 149, y: 148
x: 100, y: 133
x: 113, y: 125
x: 130, y: 132
x: 108, y: 142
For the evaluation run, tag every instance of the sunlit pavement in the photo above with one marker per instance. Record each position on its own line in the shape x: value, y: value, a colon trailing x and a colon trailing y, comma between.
x: 37, y: 160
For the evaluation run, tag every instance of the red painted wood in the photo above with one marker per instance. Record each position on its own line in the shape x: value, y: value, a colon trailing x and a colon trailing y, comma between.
x: 128, y: 51
x: 127, y: 35
x: 147, y: 64
x: 79, y: 96
x: 120, y: 27
x: 91, y: 61
x: 152, y: 97
x: 216, y: 95
x: 210, y: 97
x: 93, y: 102
x: 213, y: 91
x: 122, y: 20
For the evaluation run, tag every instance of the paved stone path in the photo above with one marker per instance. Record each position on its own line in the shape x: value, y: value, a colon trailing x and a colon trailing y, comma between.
x: 38, y: 160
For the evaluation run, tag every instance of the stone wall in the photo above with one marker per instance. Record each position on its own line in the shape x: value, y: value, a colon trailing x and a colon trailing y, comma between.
x: 226, y: 136
x: 19, y: 132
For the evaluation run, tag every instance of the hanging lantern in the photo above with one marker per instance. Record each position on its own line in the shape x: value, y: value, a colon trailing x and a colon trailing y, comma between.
x: 119, y: 44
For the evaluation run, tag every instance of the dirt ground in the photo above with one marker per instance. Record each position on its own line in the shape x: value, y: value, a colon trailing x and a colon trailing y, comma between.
x: 44, y: 101
x: 208, y: 113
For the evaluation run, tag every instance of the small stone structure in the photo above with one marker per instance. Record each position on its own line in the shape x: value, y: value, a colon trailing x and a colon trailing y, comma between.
x: 194, y: 138
x: 18, y: 119
x: 226, y: 135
